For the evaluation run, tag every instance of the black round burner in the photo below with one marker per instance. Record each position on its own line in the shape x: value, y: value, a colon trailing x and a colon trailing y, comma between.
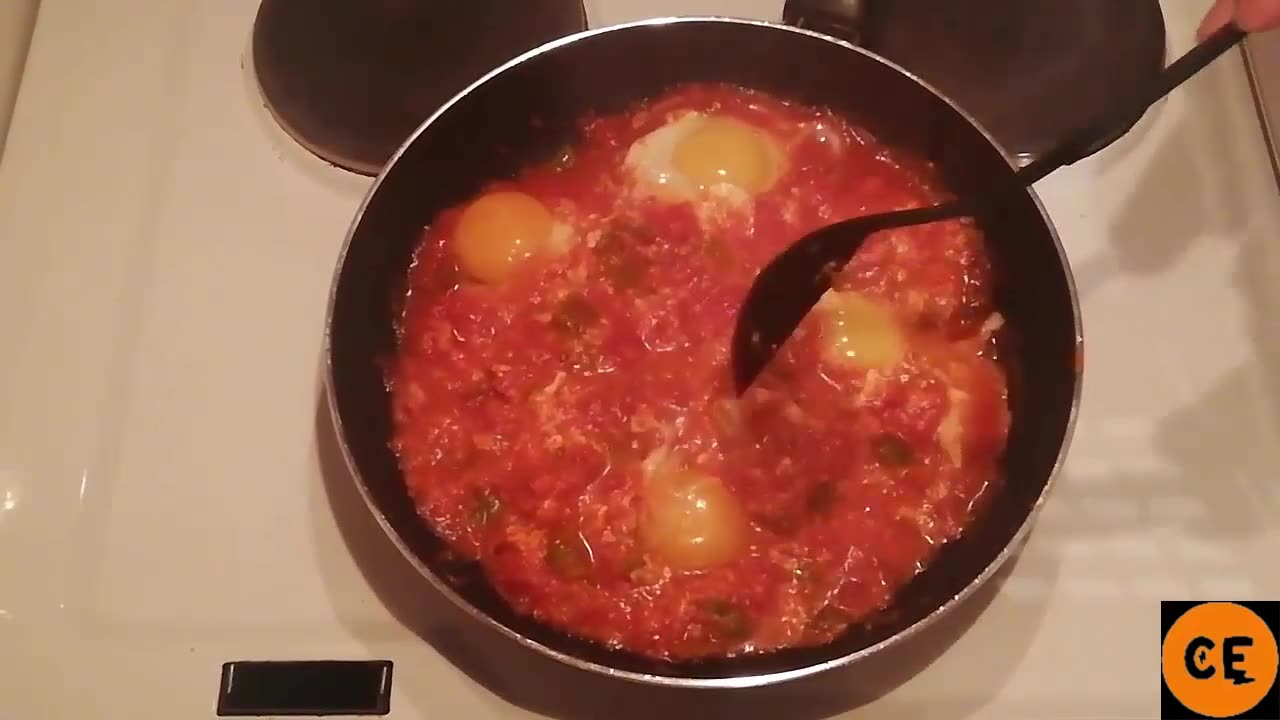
x: 1027, y: 70
x: 351, y: 79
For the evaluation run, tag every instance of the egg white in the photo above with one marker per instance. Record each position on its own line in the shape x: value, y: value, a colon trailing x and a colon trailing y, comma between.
x: 650, y: 162
x: 563, y: 236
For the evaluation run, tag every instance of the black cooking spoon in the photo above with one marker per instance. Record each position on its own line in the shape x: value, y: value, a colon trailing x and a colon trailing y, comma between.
x: 789, y: 286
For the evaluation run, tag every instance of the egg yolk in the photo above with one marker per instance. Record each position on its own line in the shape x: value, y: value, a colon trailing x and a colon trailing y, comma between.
x: 499, y: 232
x: 864, y: 333
x: 691, y: 521
x: 725, y: 150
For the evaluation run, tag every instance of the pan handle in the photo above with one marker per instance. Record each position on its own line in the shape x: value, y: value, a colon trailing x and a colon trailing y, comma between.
x: 841, y: 19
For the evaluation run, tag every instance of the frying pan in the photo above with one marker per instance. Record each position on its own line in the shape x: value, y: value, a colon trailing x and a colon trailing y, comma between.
x: 520, y: 114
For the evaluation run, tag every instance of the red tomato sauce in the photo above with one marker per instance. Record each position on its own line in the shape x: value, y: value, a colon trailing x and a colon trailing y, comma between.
x: 524, y: 412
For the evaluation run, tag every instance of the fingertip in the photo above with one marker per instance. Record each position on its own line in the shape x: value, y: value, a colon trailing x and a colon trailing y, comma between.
x: 1258, y: 16
x: 1218, y: 15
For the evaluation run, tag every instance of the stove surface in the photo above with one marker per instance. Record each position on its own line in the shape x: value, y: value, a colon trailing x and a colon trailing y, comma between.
x: 395, y: 63
x: 171, y: 497
x: 1031, y: 71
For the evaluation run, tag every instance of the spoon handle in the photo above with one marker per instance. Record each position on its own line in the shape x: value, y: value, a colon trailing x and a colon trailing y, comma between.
x: 1092, y: 138
x: 1079, y: 145
x: 790, y: 285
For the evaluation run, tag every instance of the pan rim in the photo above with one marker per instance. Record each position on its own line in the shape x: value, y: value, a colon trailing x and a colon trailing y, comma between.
x: 745, y: 681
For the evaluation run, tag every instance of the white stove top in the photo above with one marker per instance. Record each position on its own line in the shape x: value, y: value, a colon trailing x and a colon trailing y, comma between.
x: 165, y: 253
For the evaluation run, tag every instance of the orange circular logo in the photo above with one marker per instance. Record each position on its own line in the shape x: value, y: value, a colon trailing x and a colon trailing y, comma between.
x: 1219, y: 659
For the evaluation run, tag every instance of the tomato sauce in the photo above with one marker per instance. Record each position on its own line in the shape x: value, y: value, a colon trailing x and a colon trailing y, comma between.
x: 529, y: 414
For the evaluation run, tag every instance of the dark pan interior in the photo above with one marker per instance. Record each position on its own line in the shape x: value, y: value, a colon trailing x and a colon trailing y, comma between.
x: 488, y: 134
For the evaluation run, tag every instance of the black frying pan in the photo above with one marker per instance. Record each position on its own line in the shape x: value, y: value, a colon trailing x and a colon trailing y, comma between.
x: 486, y: 133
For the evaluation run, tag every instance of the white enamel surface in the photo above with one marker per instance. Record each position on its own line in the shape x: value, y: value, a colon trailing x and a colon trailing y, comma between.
x: 165, y: 253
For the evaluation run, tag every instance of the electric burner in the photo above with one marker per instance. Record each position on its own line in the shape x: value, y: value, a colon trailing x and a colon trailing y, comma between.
x: 350, y: 80
x: 1028, y: 70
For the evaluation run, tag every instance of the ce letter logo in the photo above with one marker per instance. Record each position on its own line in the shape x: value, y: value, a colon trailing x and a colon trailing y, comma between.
x: 1196, y: 658
x: 1219, y: 660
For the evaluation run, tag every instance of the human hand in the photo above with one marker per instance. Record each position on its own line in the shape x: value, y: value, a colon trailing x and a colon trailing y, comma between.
x: 1248, y: 15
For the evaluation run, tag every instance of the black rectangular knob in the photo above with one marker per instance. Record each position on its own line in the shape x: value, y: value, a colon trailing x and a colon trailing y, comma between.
x: 308, y: 687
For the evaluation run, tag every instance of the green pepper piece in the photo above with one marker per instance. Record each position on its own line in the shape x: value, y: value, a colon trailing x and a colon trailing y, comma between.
x: 625, y: 266
x: 893, y: 450
x: 568, y: 556
x: 821, y: 498
x: 574, y: 315
x: 485, y: 505
x: 829, y: 620
x: 726, y: 620
x: 718, y: 253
